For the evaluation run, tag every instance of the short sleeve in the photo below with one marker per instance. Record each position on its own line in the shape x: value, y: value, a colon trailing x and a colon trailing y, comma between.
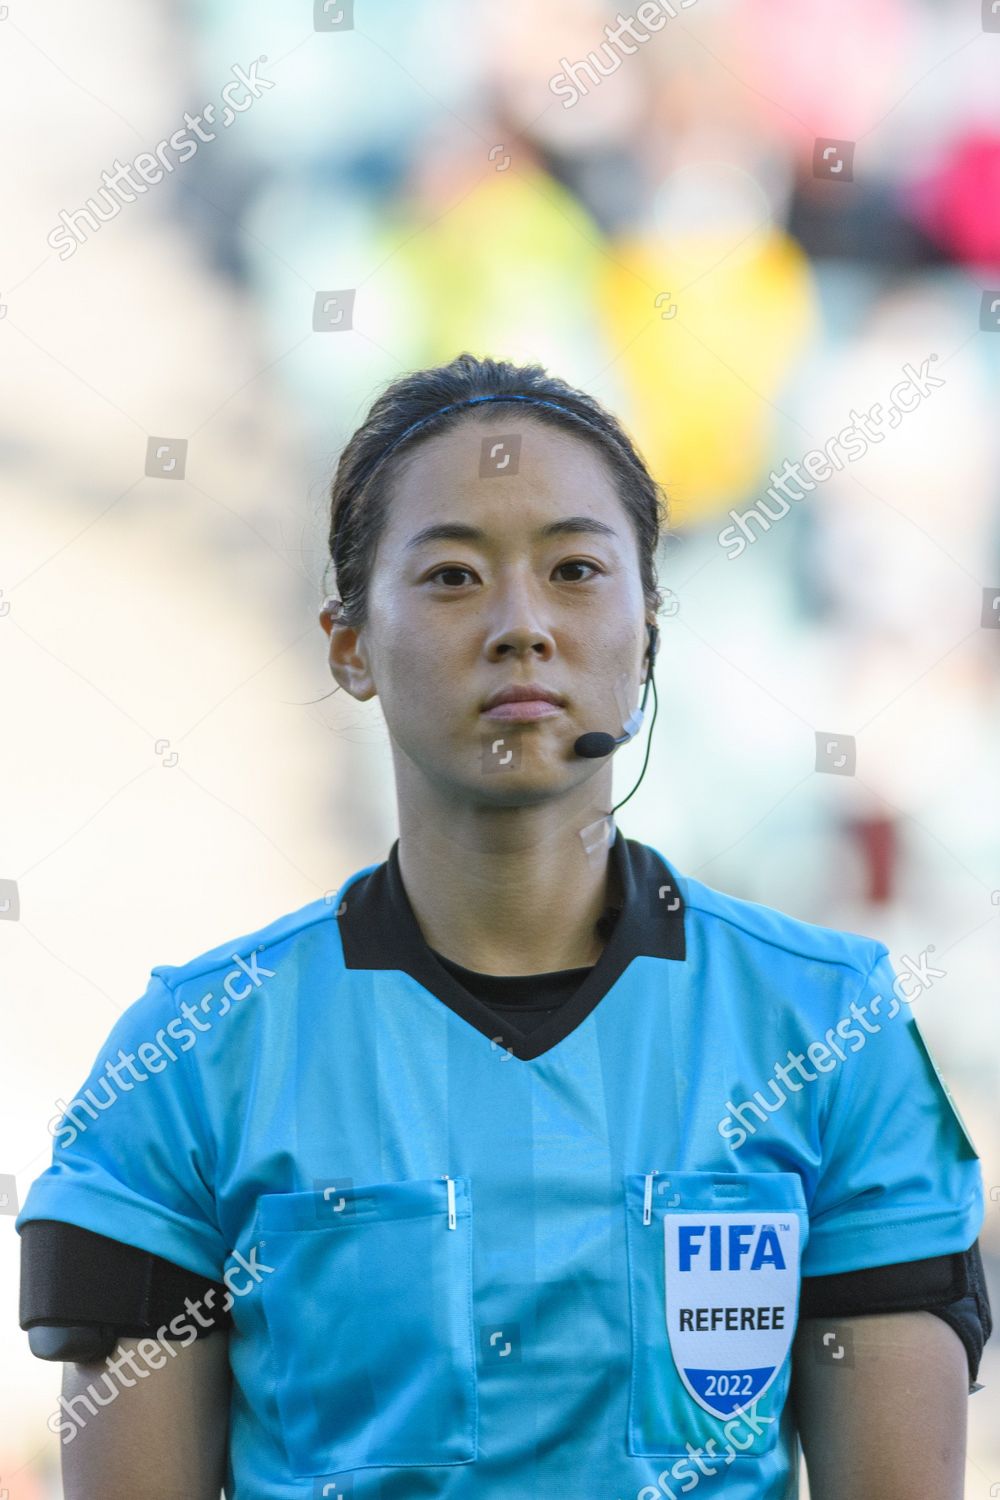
x: 900, y: 1178
x: 130, y: 1158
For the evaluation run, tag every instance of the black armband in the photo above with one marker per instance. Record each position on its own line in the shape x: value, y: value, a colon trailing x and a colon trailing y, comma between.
x: 81, y: 1292
x: 952, y: 1287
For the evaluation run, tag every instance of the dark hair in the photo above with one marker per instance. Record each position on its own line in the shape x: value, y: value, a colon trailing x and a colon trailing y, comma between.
x: 358, y: 509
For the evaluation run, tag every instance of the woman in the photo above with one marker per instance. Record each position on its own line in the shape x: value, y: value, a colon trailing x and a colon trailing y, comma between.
x: 482, y: 1180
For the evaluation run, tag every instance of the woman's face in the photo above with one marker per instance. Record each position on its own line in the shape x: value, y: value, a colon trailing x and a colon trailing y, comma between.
x: 453, y: 620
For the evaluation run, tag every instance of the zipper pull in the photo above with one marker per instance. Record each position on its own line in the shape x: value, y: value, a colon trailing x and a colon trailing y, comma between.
x: 648, y: 1198
x: 452, y: 1222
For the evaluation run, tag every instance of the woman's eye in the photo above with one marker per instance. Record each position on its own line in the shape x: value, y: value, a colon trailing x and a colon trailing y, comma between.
x: 453, y: 568
x: 579, y: 563
x: 575, y: 563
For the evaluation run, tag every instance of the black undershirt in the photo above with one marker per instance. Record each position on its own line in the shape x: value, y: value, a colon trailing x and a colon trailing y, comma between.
x: 527, y: 999
x: 523, y: 999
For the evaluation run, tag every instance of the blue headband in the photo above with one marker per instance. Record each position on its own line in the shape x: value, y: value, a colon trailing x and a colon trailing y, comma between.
x: 469, y: 401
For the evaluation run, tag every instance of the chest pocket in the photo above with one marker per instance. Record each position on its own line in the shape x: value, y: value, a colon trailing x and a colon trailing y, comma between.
x: 713, y: 1262
x: 369, y: 1321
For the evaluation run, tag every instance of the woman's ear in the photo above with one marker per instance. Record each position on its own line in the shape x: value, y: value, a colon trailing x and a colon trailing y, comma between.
x: 347, y: 657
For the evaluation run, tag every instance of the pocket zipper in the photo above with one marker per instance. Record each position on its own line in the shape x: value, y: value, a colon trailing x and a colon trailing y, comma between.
x: 452, y: 1222
x: 647, y: 1198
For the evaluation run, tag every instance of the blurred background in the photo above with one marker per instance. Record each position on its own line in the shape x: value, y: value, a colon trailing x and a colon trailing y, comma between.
x: 741, y: 233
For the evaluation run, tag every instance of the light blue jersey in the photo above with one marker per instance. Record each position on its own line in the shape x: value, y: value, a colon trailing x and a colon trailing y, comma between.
x: 476, y: 1264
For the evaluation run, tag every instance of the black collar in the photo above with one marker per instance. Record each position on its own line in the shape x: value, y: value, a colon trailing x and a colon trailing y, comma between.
x: 378, y: 930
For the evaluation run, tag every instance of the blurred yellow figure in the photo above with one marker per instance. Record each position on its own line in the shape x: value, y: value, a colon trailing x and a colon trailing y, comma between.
x: 506, y: 267
x: 706, y: 367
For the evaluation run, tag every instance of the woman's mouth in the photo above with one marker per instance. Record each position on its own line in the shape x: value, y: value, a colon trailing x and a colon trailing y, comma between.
x: 532, y: 708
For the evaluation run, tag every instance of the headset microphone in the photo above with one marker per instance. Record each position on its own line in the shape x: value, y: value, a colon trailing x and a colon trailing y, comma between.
x: 596, y: 744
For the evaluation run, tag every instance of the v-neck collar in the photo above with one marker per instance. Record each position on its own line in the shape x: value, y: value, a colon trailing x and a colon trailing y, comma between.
x: 379, y: 930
